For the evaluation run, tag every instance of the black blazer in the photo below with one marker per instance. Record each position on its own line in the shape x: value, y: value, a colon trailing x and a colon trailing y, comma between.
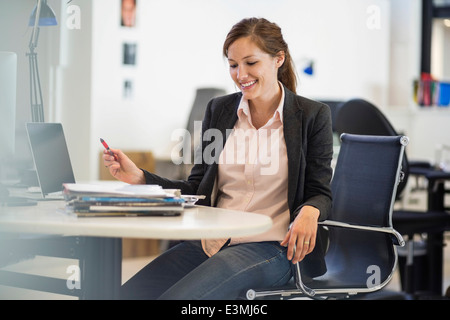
x: 309, y: 143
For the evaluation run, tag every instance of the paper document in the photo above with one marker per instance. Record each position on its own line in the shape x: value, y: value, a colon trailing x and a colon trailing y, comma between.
x: 145, y: 191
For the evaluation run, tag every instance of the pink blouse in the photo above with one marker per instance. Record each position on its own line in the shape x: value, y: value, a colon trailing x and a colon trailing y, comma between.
x: 253, y: 173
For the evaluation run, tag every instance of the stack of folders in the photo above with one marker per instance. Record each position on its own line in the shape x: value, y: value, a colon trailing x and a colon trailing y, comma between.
x: 92, y: 200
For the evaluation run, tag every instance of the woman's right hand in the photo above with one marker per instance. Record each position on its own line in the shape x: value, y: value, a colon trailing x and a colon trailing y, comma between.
x: 122, y: 168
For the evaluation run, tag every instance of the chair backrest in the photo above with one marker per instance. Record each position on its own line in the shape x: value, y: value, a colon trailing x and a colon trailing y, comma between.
x: 202, y: 98
x: 358, y: 116
x: 365, y: 179
x: 334, y: 107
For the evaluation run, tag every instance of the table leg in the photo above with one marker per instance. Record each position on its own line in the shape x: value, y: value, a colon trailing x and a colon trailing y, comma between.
x: 435, y: 247
x: 101, y: 268
x: 435, y: 240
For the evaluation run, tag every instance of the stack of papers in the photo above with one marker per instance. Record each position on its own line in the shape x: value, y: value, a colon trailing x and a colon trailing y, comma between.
x: 88, y: 200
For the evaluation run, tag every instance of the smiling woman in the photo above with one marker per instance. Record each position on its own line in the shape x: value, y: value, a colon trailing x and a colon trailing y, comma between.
x: 293, y: 134
x: 255, y: 73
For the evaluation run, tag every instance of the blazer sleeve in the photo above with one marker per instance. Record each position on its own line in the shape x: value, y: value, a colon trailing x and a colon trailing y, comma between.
x: 319, y: 154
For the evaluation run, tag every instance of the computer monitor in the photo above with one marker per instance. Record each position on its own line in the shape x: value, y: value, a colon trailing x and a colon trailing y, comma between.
x: 8, y: 85
x: 8, y: 88
x: 50, y: 155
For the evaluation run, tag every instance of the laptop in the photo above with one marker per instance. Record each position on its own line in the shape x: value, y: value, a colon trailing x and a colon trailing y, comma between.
x: 51, y: 158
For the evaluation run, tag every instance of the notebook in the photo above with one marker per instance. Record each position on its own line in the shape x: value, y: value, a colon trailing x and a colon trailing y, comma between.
x: 51, y: 158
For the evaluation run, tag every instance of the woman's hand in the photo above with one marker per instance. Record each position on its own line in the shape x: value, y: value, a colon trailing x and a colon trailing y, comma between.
x: 302, y: 234
x: 122, y: 168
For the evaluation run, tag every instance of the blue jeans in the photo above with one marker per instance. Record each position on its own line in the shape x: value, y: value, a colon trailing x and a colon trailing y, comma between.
x: 185, y: 272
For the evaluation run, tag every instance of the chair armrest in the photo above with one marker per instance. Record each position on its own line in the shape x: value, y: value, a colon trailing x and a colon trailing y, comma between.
x: 298, y: 277
x: 397, y: 238
x: 299, y: 282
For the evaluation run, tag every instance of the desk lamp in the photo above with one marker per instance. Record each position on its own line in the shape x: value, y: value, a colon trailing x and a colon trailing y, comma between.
x: 41, y: 16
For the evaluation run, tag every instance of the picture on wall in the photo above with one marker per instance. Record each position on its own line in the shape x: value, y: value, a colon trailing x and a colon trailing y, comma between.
x: 129, y: 53
x: 128, y: 13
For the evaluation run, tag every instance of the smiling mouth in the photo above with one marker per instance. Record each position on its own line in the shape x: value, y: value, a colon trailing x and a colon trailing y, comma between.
x: 248, y: 84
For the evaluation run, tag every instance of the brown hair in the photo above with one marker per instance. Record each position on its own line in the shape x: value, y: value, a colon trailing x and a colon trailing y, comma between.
x: 268, y: 37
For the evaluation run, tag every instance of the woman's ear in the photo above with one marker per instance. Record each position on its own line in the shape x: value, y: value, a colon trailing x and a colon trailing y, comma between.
x: 280, y: 58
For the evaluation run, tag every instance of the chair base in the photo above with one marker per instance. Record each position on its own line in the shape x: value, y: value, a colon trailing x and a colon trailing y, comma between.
x: 293, y: 293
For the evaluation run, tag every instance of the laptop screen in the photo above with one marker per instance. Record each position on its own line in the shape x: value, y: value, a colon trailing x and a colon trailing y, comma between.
x: 50, y: 155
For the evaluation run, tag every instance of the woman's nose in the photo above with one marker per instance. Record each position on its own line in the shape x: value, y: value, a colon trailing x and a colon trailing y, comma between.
x: 242, y: 73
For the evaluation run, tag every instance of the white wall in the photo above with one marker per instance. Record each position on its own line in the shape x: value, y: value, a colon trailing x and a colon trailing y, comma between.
x: 73, y: 88
x: 405, y: 45
x: 361, y: 48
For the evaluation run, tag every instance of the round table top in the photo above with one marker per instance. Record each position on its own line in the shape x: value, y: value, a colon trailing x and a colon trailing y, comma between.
x: 198, y: 222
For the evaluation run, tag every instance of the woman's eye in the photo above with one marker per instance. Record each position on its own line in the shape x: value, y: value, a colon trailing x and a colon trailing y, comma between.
x: 250, y: 63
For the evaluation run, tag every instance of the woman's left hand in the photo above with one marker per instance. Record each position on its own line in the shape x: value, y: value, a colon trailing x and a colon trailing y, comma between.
x: 302, y: 234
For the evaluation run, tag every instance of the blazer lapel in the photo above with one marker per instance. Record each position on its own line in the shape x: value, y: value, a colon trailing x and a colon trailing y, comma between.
x: 225, y: 121
x: 222, y: 119
x: 228, y: 117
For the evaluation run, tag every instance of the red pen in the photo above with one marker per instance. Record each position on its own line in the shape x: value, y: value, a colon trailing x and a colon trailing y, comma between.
x: 107, y: 148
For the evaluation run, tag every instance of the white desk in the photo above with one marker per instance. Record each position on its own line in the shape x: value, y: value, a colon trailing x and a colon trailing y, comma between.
x: 97, y: 242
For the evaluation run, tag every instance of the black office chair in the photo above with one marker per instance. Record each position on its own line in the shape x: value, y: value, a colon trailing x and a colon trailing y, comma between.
x: 361, y: 257
x: 334, y: 107
x: 358, y: 116
x: 202, y: 98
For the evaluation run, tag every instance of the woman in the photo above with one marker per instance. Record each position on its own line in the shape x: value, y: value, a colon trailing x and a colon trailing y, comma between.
x: 281, y: 168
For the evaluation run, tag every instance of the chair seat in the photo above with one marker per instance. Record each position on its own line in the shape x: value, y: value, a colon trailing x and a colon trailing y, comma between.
x: 411, y: 222
x: 356, y: 278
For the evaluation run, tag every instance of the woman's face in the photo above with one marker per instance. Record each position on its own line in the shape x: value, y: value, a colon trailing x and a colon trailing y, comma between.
x: 253, y: 70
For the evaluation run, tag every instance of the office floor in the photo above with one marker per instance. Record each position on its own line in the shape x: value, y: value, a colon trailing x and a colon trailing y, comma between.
x: 58, y: 268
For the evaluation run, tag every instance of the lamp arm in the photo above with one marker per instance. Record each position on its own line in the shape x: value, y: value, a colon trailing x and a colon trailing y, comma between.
x: 35, y: 34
